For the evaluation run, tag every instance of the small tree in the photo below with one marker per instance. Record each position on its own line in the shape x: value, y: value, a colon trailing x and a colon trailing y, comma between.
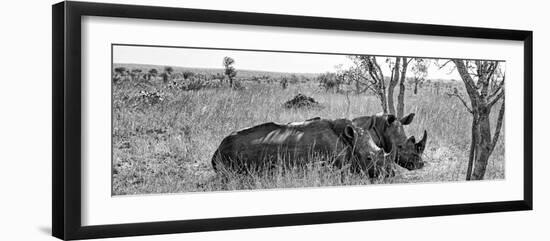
x: 167, y: 74
x: 153, y: 73
x: 284, y: 82
x: 357, y: 77
x: 484, y: 83
x: 329, y: 81
x: 121, y: 70
x: 230, y: 71
x: 368, y: 71
x: 119, y: 73
x: 187, y: 74
x: 136, y: 74
x: 420, y: 72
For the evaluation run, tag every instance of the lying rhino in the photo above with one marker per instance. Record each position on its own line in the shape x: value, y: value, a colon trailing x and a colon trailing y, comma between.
x: 387, y: 131
x: 267, y: 145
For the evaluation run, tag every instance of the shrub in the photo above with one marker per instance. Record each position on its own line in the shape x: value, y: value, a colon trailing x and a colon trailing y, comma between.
x: 329, y: 81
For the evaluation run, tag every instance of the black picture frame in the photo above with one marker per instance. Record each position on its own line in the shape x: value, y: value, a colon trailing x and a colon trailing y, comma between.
x: 67, y: 136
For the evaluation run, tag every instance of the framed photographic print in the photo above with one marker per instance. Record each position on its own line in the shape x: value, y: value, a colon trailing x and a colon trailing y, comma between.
x: 171, y: 120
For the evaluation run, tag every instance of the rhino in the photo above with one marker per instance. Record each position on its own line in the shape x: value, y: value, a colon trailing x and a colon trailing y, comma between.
x: 387, y: 131
x: 293, y: 144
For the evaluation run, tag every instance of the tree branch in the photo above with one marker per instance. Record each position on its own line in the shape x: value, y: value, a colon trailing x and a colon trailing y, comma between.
x: 374, y: 77
x: 369, y: 86
x: 404, y: 71
x: 468, y: 81
x: 443, y: 65
x: 361, y: 76
x: 486, y: 78
x: 456, y: 94
x: 496, y: 98
x: 381, y: 75
x: 496, y: 90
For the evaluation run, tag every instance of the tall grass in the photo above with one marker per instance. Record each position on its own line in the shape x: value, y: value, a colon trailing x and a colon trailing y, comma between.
x: 167, y: 146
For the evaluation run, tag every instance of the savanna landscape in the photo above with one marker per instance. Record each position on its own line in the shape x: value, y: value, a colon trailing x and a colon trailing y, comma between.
x: 169, y: 120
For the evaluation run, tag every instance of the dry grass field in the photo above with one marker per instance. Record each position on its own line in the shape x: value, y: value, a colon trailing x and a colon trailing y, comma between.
x: 163, y: 138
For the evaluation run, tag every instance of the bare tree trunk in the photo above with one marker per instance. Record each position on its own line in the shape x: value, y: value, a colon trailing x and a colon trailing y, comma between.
x: 484, y: 147
x: 383, y: 102
x: 472, y: 150
x: 401, y: 95
x: 391, y: 105
x: 474, y: 146
x: 483, y: 143
x: 391, y: 86
x: 415, y: 87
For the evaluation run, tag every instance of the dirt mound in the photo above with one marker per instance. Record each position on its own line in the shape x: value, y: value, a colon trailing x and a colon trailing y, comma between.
x: 302, y: 101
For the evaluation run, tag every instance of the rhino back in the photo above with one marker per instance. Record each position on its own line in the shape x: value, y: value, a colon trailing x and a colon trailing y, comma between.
x: 292, y: 143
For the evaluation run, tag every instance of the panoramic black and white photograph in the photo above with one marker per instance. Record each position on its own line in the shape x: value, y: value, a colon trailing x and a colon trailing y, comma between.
x: 189, y: 119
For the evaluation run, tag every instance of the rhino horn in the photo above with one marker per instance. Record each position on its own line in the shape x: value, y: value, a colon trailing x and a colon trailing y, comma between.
x: 421, y: 145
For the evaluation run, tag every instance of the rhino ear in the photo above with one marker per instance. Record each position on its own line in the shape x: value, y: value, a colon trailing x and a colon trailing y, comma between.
x: 344, y: 128
x: 390, y: 119
x: 407, y: 119
x: 349, y: 133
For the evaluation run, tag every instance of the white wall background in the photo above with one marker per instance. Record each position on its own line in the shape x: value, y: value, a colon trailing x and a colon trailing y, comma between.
x: 25, y: 120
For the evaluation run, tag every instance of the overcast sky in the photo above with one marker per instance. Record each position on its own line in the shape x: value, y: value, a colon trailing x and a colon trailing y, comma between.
x: 249, y: 60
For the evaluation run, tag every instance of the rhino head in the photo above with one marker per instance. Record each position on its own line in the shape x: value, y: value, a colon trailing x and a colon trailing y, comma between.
x: 367, y: 156
x: 388, y: 132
